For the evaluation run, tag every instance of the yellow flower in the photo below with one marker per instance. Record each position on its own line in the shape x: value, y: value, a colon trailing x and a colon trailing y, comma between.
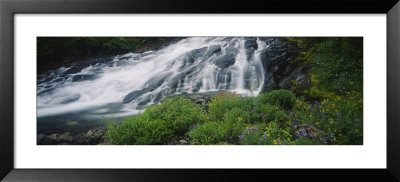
x: 268, y: 135
x: 316, y: 123
x: 274, y: 142
x: 289, y: 123
x: 340, y: 135
x: 333, y: 105
x: 336, y: 110
x: 240, y: 118
x: 310, y: 115
x: 332, y: 122
x: 288, y: 139
x: 357, y: 130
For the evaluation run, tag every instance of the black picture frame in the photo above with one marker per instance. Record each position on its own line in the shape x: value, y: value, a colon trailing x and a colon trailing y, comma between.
x: 8, y: 8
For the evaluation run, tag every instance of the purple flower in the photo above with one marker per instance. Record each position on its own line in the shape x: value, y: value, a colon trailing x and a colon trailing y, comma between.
x: 311, y: 108
x: 251, y: 130
x: 323, y: 140
x: 339, y: 115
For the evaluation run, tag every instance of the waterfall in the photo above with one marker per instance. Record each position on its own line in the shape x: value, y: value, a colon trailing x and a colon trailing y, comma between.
x: 124, y: 83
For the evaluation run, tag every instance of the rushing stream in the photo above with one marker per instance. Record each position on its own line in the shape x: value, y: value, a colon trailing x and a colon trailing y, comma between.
x: 83, y: 93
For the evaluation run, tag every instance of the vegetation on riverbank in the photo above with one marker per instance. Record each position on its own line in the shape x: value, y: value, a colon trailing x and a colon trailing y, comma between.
x: 277, y: 117
x: 329, y: 111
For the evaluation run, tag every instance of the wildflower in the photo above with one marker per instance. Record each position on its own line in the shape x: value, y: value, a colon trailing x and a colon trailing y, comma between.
x: 323, y: 140
x: 277, y: 141
x: 240, y: 118
x: 332, y: 122
x: 340, y: 135
x: 333, y: 105
x: 288, y: 139
x: 310, y: 115
x: 316, y: 123
x: 289, y: 123
x: 268, y: 135
x: 339, y: 115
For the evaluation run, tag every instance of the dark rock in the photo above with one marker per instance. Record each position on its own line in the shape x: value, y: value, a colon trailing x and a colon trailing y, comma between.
x: 199, y: 52
x: 66, y: 137
x: 71, y: 99
x: 83, y: 77
x: 225, y: 61
x: 131, y: 96
x: 251, y: 43
x: 214, y: 49
x: 55, y: 137
x: 151, y: 85
x: 41, y: 137
x: 294, y: 124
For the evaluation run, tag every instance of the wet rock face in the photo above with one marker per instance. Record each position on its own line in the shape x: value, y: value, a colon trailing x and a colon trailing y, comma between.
x: 225, y: 61
x: 280, y: 72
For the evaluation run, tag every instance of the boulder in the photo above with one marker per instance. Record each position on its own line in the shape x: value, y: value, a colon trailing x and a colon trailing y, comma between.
x: 225, y: 60
x: 55, y: 137
x: 66, y: 137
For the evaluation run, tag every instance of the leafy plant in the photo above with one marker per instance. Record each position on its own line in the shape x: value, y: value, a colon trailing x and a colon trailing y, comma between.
x: 209, y: 133
x: 139, y: 130
x: 284, y: 99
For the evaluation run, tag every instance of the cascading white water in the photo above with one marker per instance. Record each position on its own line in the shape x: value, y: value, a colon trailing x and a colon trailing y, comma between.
x: 119, y: 86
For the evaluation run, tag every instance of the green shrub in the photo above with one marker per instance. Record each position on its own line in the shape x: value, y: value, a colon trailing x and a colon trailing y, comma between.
x: 284, y: 99
x: 273, y: 113
x: 224, y: 102
x: 340, y: 117
x: 216, y: 132
x: 209, y: 133
x: 304, y: 141
x: 139, y: 130
x: 337, y: 64
x: 278, y: 131
x: 237, y: 115
x: 173, y: 116
x: 180, y: 112
x: 255, y: 137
